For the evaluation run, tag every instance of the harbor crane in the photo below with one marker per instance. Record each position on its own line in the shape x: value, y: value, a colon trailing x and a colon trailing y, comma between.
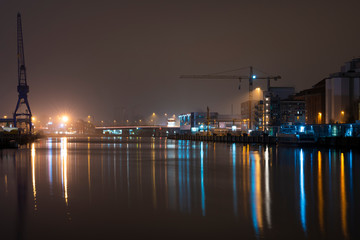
x: 251, y: 78
x: 23, y: 87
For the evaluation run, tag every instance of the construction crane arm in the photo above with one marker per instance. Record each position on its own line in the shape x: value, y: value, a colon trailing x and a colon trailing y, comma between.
x: 213, y: 76
x: 226, y: 77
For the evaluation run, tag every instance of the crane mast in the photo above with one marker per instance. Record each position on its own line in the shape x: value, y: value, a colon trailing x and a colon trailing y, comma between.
x: 22, y: 88
x: 251, y: 78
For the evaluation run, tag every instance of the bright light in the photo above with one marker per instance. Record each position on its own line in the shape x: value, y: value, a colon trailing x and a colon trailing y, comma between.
x: 153, y: 114
x: 233, y: 128
x: 5, y: 117
x: 257, y: 89
x: 342, y: 112
x: 194, y: 129
x: 302, y: 129
x: 254, y: 76
x: 65, y: 118
x: 33, y: 119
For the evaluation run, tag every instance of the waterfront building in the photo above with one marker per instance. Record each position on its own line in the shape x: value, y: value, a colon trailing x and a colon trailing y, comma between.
x: 292, y: 111
x: 314, y: 103
x: 280, y: 108
x: 342, y: 94
x: 276, y: 107
x: 249, y: 120
x: 335, y: 99
x: 198, y: 122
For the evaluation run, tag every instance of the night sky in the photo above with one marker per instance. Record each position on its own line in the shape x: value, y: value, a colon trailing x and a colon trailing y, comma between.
x: 121, y: 59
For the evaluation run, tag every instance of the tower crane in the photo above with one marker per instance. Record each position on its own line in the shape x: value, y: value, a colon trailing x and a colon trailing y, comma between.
x: 251, y: 78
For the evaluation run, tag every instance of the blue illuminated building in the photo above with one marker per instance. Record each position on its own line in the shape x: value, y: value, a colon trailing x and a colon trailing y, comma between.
x: 197, y: 121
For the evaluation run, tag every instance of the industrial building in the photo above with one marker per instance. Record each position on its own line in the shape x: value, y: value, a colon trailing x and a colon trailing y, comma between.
x: 335, y: 99
x: 342, y: 94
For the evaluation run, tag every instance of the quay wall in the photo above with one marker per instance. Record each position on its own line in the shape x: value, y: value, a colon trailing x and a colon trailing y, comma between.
x: 14, y: 140
x: 227, y: 138
x: 332, y: 142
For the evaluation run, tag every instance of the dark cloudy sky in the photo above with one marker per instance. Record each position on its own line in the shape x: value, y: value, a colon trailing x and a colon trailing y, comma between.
x: 117, y: 59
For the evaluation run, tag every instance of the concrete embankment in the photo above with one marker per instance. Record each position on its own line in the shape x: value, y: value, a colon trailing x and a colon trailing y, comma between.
x: 331, y: 142
x: 340, y: 142
x: 15, y: 140
x: 228, y: 138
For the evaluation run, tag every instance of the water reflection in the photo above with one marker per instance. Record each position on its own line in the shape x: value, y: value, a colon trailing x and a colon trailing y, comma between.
x: 33, y: 174
x: 302, y: 192
x: 267, y: 188
x: 202, y: 179
x: 320, y: 194
x: 235, y: 199
x: 343, y: 203
x: 256, y: 193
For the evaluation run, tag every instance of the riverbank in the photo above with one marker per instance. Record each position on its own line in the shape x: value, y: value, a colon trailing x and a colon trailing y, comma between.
x: 332, y: 142
x: 9, y: 140
x: 227, y: 138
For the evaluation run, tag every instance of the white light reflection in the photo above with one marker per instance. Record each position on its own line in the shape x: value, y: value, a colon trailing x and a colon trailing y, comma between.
x: 64, y: 166
x: 33, y: 154
x: 267, y: 188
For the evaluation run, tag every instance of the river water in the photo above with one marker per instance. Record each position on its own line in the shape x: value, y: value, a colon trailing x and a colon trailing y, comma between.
x: 135, y: 188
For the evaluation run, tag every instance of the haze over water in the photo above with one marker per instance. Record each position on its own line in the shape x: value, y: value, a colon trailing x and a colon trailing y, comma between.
x: 68, y: 188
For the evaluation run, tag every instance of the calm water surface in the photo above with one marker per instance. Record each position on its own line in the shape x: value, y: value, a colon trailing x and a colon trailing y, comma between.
x: 66, y: 188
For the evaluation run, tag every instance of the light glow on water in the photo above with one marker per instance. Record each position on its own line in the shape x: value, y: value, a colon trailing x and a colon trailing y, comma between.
x: 33, y: 174
x: 256, y: 198
x: 320, y: 194
x: 222, y: 184
x: 234, y: 178
x: 267, y: 188
x: 203, y: 211
x: 343, y: 196
x: 302, y: 192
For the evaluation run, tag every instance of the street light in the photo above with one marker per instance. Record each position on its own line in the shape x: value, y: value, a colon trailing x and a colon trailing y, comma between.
x: 65, y: 118
x: 342, y: 120
x: 319, y: 117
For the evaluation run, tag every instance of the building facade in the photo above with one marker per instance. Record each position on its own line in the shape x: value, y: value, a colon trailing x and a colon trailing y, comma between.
x: 342, y: 98
x: 335, y: 99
